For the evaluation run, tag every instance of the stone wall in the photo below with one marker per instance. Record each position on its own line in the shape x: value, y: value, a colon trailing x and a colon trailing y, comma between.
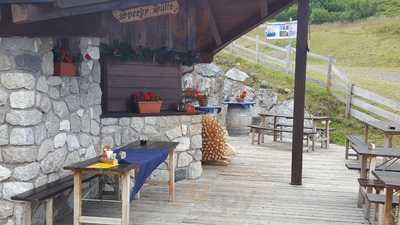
x: 183, y: 129
x: 46, y: 121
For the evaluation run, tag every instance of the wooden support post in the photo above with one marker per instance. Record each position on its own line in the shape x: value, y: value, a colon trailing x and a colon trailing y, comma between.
x: 49, y: 212
x: 349, y: 99
x: 213, y: 25
x: 77, y: 197
x: 329, y: 74
x: 299, y: 92
x: 289, y: 59
x: 258, y: 48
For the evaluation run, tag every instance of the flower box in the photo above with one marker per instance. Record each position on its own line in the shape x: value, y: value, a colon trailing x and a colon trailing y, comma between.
x: 149, y: 106
x: 65, y: 69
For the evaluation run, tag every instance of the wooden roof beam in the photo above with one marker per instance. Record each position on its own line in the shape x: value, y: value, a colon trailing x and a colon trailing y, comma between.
x: 213, y: 25
x: 264, y: 8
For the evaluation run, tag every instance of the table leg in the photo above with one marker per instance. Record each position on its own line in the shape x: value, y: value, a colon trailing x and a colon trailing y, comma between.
x: 388, y: 143
x: 398, y: 214
x: 125, y: 193
x: 363, y: 174
x: 171, y: 171
x: 372, y: 166
x: 275, y: 123
x: 388, y: 207
x: 77, y: 197
x: 328, y: 134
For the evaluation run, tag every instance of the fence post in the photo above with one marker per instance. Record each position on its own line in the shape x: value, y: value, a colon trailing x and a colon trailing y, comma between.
x: 289, y: 59
x: 329, y: 74
x: 349, y: 99
x: 258, y: 49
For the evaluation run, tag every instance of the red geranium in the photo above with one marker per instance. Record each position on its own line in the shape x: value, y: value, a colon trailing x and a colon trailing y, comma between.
x: 145, y: 96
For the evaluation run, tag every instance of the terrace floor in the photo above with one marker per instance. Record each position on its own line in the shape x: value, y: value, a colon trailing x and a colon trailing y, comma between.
x: 254, y: 189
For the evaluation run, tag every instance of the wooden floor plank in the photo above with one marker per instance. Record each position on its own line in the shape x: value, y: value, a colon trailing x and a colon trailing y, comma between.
x: 254, y: 189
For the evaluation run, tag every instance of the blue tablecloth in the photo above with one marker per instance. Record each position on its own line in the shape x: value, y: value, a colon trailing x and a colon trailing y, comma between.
x: 246, y: 105
x: 147, y: 159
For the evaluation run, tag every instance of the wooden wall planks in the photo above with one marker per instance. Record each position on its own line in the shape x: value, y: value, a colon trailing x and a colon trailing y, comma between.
x: 121, y: 79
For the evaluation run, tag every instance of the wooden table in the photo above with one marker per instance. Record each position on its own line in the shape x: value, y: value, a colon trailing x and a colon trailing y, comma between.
x: 391, y: 180
x: 315, y: 119
x: 384, y: 127
x: 368, y: 156
x: 123, y: 171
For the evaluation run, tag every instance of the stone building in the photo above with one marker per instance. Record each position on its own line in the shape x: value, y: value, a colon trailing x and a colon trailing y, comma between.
x: 47, y: 122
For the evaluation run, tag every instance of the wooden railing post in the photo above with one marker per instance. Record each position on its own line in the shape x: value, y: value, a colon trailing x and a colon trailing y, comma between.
x: 289, y: 59
x: 329, y: 74
x: 258, y: 49
x: 349, y: 99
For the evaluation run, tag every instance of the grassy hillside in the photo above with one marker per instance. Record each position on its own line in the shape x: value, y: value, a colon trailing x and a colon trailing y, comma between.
x: 318, y: 101
x: 367, y: 50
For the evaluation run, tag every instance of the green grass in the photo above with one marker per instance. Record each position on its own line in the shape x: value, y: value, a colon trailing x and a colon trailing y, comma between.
x: 359, y: 48
x: 374, y: 42
x: 318, y: 100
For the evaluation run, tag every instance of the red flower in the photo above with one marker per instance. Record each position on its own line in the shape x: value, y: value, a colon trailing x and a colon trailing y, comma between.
x: 88, y: 57
x: 146, y: 97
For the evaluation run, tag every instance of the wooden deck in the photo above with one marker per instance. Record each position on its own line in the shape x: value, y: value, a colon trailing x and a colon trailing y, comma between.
x: 254, y: 190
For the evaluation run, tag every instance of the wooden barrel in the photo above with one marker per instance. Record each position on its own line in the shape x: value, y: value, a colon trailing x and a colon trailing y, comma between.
x: 238, y: 119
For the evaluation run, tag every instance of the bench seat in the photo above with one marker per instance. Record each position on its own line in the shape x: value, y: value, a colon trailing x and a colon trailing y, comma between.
x: 46, y: 193
x: 259, y: 130
x: 380, y: 199
x: 371, y: 183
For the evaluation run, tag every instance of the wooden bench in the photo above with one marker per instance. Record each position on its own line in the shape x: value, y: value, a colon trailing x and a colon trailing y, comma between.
x: 321, y: 133
x: 379, y: 201
x: 352, y: 140
x: 46, y: 193
x: 260, y: 131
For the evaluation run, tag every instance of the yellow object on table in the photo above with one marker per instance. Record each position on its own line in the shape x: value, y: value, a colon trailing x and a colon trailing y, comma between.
x: 102, y: 166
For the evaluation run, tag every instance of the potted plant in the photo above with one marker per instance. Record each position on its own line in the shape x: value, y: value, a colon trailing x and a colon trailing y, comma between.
x: 65, y: 62
x: 148, y: 102
x: 242, y: 96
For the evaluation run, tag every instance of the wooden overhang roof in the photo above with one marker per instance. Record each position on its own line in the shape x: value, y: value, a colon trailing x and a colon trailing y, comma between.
x: 203, y: 26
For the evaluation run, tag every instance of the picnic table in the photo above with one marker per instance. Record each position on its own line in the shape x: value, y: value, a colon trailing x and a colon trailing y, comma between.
x: 391, y: 181
x: 315, y: 119
x: 123, y: 171
x: 368, y: 162
x: 389, y: 129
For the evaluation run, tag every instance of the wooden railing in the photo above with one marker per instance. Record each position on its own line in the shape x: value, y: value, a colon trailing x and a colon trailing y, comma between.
x: 360, y: 103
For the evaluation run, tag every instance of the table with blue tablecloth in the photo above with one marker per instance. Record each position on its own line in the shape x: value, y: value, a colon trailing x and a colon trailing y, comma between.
x: 148, y: 157
x: 140, y: 159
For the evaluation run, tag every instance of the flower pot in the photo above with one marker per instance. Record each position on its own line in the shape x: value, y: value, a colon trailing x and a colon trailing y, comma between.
x: 149, y: 107
x: 65, y: 69
x: 203, y: 102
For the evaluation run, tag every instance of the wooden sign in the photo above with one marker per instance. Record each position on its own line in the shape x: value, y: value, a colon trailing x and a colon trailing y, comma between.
x: 144, y: 12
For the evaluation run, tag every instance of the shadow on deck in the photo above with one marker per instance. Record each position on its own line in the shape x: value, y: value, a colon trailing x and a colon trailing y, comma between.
x: 254, y: 190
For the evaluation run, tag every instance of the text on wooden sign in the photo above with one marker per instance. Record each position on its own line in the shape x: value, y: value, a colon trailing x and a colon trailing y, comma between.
x: 144, y: 12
